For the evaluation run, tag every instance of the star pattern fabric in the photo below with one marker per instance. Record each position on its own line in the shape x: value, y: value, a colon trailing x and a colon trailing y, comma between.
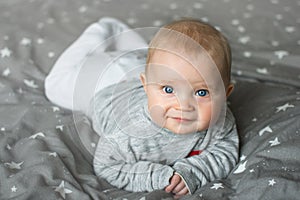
x: 217, y: 186
x: 272, y: 182
x: 274, y: 142
x: 62, y: 190
x: 5, y: 52
x: 14, y: 189
x: 14, y: 165
x: 241, y: 168
x: 284, y: 107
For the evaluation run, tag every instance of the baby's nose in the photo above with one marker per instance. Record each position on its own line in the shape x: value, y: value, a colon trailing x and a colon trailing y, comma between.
x: 186, y: 104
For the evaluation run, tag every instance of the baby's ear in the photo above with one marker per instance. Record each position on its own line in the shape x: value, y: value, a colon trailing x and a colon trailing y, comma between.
x: 143, y: 80
x: 229, y: 89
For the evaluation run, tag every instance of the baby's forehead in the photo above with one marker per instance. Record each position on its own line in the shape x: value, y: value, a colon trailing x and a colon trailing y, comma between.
x: 169, y: 63
x: 195, y: 59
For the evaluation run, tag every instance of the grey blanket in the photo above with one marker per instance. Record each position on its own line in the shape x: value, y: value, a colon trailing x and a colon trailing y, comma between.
x: 46, y: 151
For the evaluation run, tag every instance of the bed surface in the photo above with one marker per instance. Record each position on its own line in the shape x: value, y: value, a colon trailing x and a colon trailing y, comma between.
x: 46, y: 151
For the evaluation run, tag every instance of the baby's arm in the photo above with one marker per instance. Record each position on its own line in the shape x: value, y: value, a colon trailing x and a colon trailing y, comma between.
x: 123, y: 170
x: 215, y: 162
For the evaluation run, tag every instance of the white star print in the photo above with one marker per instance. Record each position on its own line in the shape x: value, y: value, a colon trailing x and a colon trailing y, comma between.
x: 235, y: 22
x: 247, y: 54
x: 51, y: 54
x: 105, y: 191
x: 6, y: 72
x: 60, y: 127
x: 274, y: 142
x: 280, y: 54
x: 14, y: 189
x: 266, y: 129
x: 30, y: 83
x: 241, y: 29
x: 217, y: 186
x: 5, y: 52
x: 82, y: 9
x: 284, y: 107
x: 55, y: 108
x: 241, y: 168
x: 40, y: 40
x: 36, y: 135
x: 290, y: 29
x: 8, y: 147
x: 244, y: 40
x: 54, y: 154
x: 272, y: 182
x: 14, y: 165
x: 243, y: 157
x: 262, y: 70
x: 62, y: 190
x: 25, y: 42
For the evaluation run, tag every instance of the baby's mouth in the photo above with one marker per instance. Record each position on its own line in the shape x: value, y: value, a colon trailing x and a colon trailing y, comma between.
x: 181, y: 120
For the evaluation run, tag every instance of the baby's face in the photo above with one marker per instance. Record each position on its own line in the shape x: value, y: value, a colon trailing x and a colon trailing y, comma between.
x: 179, y: 99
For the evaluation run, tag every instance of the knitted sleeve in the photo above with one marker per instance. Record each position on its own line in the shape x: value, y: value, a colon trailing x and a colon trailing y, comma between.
x: 214, y: 162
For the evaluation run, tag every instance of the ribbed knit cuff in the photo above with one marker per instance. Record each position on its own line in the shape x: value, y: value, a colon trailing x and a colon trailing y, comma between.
x: 187, y: 177
x: 162, y: 179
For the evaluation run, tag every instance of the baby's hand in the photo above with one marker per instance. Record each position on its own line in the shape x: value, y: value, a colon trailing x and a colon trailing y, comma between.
x: 177, y: 187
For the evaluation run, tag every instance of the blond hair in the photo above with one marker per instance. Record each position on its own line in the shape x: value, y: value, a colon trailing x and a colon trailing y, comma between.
x: 201, y: 33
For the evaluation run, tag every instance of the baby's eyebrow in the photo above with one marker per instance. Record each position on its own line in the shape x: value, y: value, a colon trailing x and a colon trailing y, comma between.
x: 203, y: 84
x: 215, y: 88
x: 199, y: 84
x: 166, y: 81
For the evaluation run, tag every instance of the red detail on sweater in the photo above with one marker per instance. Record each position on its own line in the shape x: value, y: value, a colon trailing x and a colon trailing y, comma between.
x: 193, y: 153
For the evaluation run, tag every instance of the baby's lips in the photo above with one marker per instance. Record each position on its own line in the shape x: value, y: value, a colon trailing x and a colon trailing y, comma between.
x: 182, y: 119
x: 185, y: 116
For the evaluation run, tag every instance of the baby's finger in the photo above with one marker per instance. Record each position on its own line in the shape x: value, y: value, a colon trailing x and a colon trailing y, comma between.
x: 179, y: 187
x: 173, y: 183
x: 169, y: 188
x: 182, y: 192
x: 175, y: 179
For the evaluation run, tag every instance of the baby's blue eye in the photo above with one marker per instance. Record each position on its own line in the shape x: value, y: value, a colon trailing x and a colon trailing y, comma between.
x: 201, y: 93
x: 168, y: 89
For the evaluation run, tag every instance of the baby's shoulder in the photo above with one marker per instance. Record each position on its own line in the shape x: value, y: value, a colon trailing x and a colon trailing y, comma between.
x: 114, y: 105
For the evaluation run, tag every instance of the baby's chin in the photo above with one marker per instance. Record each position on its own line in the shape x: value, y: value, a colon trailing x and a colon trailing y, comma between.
x: 184, y: 131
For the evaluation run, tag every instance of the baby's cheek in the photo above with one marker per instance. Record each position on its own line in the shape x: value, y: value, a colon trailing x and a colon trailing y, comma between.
x: 157, y: 113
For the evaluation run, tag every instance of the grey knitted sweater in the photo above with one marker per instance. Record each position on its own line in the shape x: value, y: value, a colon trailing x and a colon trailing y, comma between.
x: 135, y: 154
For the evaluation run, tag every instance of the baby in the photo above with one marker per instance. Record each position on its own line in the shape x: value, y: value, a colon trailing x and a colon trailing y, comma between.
x: 169, y: 130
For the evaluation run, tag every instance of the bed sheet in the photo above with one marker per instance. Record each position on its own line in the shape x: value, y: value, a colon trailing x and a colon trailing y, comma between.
x: 46, y: 151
